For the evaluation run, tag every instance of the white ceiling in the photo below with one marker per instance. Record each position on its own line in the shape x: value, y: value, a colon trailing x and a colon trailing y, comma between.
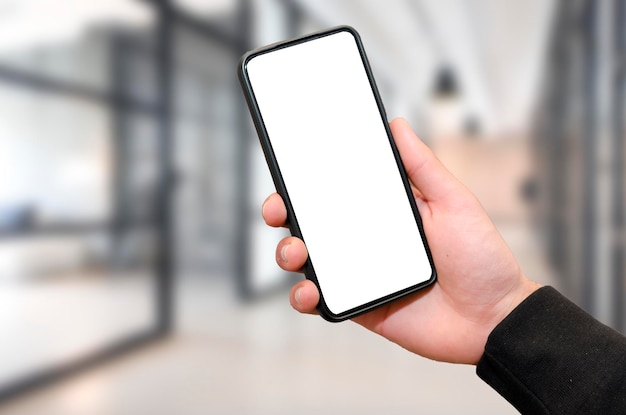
x: 496, y: 48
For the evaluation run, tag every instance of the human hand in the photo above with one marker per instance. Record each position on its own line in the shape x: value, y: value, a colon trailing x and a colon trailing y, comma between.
x: 478, y: 280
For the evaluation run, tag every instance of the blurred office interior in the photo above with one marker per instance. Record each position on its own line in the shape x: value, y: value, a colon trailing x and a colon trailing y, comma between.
x: 136, y: 273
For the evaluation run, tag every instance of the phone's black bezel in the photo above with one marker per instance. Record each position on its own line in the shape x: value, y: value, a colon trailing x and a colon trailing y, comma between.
x: 272, y: 163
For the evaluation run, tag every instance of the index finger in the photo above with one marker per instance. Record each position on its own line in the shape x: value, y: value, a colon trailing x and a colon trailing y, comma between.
x: 274, y: 211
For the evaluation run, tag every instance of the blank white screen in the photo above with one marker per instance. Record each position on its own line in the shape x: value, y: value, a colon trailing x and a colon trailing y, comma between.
x: 338, y: 167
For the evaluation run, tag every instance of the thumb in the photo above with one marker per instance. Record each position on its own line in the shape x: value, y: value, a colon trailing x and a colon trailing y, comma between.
x: 424, y: 169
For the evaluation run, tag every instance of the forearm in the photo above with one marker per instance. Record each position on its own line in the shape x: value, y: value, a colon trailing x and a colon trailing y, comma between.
x: 548, y: 356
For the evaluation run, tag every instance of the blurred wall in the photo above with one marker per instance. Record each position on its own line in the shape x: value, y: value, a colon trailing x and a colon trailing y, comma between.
x: 580, y: 154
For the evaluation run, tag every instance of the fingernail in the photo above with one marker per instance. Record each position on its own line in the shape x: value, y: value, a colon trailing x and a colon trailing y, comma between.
x: 283, y: 252
x: 297, y: 296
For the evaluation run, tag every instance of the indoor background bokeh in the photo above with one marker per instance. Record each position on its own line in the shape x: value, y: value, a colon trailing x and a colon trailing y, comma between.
x: 136, y: 273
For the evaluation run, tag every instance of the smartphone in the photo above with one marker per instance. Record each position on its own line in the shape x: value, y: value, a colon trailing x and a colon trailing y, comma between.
x: 326, y: 140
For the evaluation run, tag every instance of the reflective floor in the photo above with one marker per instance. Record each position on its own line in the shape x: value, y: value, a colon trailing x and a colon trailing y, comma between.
x: 263, y: 358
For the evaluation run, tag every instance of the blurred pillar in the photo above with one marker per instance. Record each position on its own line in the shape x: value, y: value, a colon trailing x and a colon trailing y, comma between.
x: 242, y: 238
x: 581, y: 152
x: 618, y: 170
x: 164, y: 74
x: 597, y: 219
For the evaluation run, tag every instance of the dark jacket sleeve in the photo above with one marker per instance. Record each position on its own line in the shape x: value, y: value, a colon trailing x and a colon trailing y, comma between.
x: 550, y: 357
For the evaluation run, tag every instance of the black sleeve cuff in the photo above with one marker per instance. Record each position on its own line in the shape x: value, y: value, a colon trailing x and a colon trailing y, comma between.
x: 550, y: 357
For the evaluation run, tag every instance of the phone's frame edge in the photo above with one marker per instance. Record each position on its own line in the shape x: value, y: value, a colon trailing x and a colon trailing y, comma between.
x: 276, y: 174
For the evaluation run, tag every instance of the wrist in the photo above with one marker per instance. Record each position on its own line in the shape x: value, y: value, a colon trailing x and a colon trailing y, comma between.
x: 509, y: 303
x: 517, y: 296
